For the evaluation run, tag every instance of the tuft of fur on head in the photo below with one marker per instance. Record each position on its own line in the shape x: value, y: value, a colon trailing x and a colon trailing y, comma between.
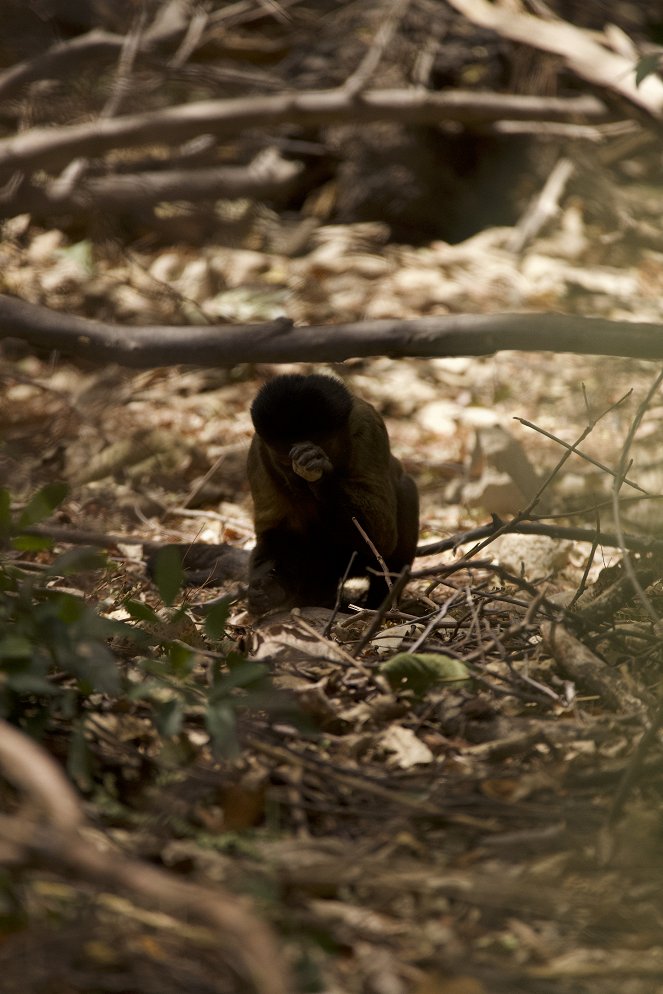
x: 295, y: 408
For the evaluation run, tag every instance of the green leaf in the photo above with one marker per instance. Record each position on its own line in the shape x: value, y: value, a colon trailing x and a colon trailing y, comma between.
x: 32, y: 683
x: 245, y: 673
x: 95, y: 668
x: 168, y: 717
x: 5, y: 514
x: 216, y: 618
x: 43, y: 503
x: 79, y: 760
x: 32, y: 543
x: 647, y: 65
x: 419, y: 672
x: 79, y: 560
x: 70, y: 608
x: 140, y: 611
x: 15, y: 647
x: 182, y: 660
x: 168, y: 573
x: 222, y: 726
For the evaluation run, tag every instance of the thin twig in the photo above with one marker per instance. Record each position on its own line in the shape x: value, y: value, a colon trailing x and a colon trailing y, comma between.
x: 622, y: 469
x: 378, y: 618
x: 508, y: 526
x: 339, y: 596
x: 434, y: 622
x: 383, y: 566
x: 579, y: 452
x: 588, y: 565
x: 634, y: 766
x: 244, y: 942
x: 543, y: 208
x: 359, y: 79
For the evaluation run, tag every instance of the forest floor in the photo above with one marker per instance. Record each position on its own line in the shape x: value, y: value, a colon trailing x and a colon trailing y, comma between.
x: 499, y: 833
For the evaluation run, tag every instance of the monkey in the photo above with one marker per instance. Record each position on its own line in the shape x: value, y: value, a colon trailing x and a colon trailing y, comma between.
x: 320, y: 457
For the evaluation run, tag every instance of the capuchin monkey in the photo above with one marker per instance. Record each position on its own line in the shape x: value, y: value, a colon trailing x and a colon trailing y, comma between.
x: 319, y: 458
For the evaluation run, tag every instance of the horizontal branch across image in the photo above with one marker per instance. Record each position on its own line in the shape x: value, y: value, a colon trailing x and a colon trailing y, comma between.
x: 279, y: 341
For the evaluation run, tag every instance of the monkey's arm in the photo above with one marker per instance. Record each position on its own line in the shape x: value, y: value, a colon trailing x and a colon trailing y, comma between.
x: 273, y: 564
x: 369, y: 483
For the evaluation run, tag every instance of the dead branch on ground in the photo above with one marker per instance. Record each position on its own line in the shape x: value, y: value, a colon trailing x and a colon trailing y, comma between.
x: 52, y: 148
x: 269, y: 176
x: 244, y: 942
x: 634, y: 543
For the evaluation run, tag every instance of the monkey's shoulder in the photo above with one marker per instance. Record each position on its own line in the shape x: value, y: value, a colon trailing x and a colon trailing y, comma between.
x: 367, y: 425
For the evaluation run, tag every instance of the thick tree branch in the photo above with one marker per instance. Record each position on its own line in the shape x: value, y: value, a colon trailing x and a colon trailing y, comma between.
x: 243, y: 941
x: 579, y: 49
x: 259, y: 180
x: 33, y: 771
x: 52, y: 148
x: 278, y: 341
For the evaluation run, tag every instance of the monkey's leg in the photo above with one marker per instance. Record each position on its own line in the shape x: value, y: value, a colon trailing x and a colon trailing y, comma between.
x: 407, y: 516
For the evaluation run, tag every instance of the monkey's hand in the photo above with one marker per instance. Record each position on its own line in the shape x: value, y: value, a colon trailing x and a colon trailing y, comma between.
x: 309, y: 461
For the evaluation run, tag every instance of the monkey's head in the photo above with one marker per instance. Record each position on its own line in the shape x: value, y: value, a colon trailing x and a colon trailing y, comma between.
x: 294, y: 408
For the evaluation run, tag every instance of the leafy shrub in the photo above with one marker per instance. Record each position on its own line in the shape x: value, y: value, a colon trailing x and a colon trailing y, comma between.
x: 58, y: 659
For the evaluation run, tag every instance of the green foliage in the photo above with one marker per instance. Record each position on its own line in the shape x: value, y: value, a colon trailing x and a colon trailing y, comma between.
x: 5, y: 515
x: 647, y: 66
x: 168, y: 573
x: 47, y: 631
x: 419, y: 672
x: 59, y: 667
x: 43, y: 504
x: 216, y: 618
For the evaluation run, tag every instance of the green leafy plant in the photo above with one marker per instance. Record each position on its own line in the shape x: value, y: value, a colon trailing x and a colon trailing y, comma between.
x: 60, y: 656
x: 648, y: 65
x: 419, y: 672
x: 54, y: 652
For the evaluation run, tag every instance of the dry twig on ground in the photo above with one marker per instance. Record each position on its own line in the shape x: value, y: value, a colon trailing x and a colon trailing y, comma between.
x: 245, y: 944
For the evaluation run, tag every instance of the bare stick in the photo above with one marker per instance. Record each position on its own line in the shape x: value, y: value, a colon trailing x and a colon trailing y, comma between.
x: 387, y: 28
x: 390, y: 599
x: 48, y: 148
x: 267, y: 176
x: 507, y: 526
x: 245, y: 942
x: 621, y: 471
x: 339, y: 596
x: 634, y: 766
x: 579, y: 452
x: 32, y: 770
x: 378, y: 556
x: 579, y: 49
x: 588, y: 565
x: 544, y: 207
x: 434, y: 622
x: 279, y: 342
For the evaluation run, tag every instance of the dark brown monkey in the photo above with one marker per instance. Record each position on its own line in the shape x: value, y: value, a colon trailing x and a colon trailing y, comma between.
x: 320, y: 457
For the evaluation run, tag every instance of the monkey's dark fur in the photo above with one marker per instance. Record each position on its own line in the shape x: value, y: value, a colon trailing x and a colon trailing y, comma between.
x: 320, y: 457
